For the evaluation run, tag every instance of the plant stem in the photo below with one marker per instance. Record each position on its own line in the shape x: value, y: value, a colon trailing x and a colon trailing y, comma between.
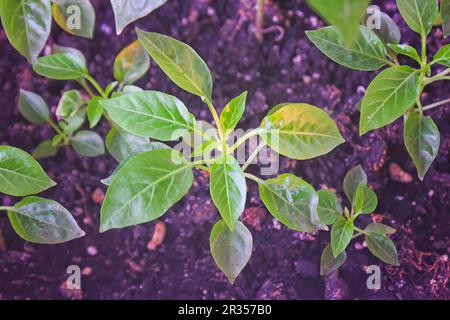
x: 202, y: 167
x: 96, y: 86
x: 424, y: 49
x: 59, y: 131
x: 439, y: 76
x: 254, y: 178
x: 253, y: 155
x: 436, y: 104
x: 360, y: 230
x: 244, y: 138
x: 87, y: 88
x: 216, y: 119
x: 4, y: 208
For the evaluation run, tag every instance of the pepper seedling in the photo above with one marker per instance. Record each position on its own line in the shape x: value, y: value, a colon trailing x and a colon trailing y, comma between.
x: 74, y: 107
x: 395, y: 91
x: 148, y: 183
x: 363, y: 201
x: 34, y: 219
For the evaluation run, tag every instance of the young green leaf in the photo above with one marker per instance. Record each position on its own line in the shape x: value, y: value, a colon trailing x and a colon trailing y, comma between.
x: 341, y: 235
x: 205, y: 148
x: 73, y: 123
x: 126, y: 12
x: 144, y: 148
x: 365, y: 200
x: 94, y: 111
x: 328, y: 263
x: 387, y: 30
x: 388, y: 97
x: 419, y: 14
x: 110, y: 88
x: 344, y: 14
x: 66, y: 12
x: 43, y: 221
x: 422, y: 139
x: 352, y: 180
x: 87, y: 143
x: 150, y: 114
x: 131, y: 64
x: 445, y: 14
x: 367, y: 54
x: 180, y: 62
x: 228, y: 189
x: 33, y: 107
x: 20, y: 174
x: 300, y: 131
x: 27, y: 25
x: 233, y: 112
x: 145, y: 188
x: 383, y: 248
x: 61, y: 66
x: 70, y: 102
x: 73, y: 51
x: 121, y: 143
x: 379, y: 228
x: 231, y: 250
x: 443, y: 55
x: 292, y: 201
x: 329, y: 207
x: 406, y: 50
x: 45, y: 149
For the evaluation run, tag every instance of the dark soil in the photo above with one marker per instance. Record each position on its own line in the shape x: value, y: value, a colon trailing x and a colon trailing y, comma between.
x: 285, y: 264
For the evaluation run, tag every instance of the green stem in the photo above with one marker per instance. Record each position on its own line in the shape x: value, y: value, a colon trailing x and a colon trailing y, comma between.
x: 254, y: 178
x: 4, y: 208
x: 96, y: 86
x: 202, y: 167
x: 436, y: 104
x: 253, y: 155
x: 359, y: 230
x: 244, y: 138
x: 59, y: 131
x: 439, y: 76
x: 87, y: 88
x: 424, y: 49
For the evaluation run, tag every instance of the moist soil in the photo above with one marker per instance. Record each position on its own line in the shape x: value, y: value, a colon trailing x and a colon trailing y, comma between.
x: 127, y: 264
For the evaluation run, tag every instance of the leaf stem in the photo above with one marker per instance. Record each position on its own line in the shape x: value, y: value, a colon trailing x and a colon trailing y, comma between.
x: 436, y: 104
x: 253, y: 155
x: 359, y: 230
x: 202, y: 167
x: 59, y: 131
x: 5, y: 208
x: 216, y: 118
x: 254, y: 178
x: 96, y: 86
x: 424, y: 49
x: 244, y: 138
x: 87, y: 88
x: 439, y: 76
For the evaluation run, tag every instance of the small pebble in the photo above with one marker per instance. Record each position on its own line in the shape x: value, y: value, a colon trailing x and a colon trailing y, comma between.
x: 98, y: 195
x: 92, y: 251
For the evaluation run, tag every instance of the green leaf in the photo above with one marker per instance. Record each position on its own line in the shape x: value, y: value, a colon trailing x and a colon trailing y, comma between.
x: 406, y: 50
x: 180, y: 63
x: 445, y: 14
x: 27, y: 25
x: 388, y: 97
x: 205, y: 148
x: 94, y: 111
x: 150, y: 114
x: 387, y: 30
x: 87, y: 143
x: 300, y: 131
x: 443, y: 56
x: 292, y: 201
x: 45, y: 149
x: 345, y: 15
x: 231, y: 250
x: 132, y: 63
x: 422, y: 139
x: 121, y: 143
x: 228, y: 189
x: 329, y: 207
x: 110, y: 87
x: 20, y: 174
x: 195, y: 139
x: 365, y: 199
x: 126, y: 12
x: 379, y: 228
x: 73, y: 123
x: 352, y: 180
x: 419, y: 14
x: 367, y: 54
x: 43, y: 221
x: 145, y: 188
x: 33, y: 107
x: 73, y: 51
x: 328, y: 263
x: 341, y: 235
x: 147, y: 147
x: 233, y: 112
x: 382, y: 247
x: 70, y: 102
x: 61, y: 66
x: 56, y: 140
x: 76, y: 17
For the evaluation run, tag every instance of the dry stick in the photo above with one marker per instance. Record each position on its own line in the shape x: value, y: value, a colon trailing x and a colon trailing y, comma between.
x: 260, y: 20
